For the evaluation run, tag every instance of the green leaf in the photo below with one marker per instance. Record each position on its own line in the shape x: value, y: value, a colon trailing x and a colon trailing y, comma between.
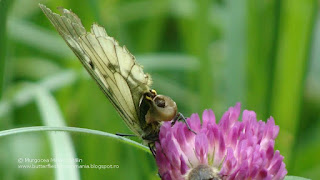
x: 26, y: 93
x: 168, y: 61
x: 37, y: 37
x: 235, y: 37
x: 295, y: 178
x: 34, y: 68
x: 3, y: 42
x: 180, y: 92
x: 262, y: 30
x: 290, y: 67
x: 61, y: 143
x: 134, y: 11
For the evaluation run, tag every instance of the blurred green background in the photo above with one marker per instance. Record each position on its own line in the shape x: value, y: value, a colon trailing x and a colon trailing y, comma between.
x: 204, y: 54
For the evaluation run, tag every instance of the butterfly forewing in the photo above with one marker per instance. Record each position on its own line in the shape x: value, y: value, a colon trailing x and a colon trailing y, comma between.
x: 112, y: 66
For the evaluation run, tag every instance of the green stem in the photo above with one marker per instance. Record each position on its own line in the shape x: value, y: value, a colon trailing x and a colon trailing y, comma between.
x: 74, y: 130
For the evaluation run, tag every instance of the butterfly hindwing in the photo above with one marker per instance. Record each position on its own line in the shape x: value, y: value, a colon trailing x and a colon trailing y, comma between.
x: 113, y: 67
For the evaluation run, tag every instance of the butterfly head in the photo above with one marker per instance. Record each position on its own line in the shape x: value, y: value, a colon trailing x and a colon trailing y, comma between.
x: 162, y: 108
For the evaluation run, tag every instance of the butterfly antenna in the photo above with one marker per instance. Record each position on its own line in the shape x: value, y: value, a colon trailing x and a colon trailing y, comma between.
x: 181, y: 117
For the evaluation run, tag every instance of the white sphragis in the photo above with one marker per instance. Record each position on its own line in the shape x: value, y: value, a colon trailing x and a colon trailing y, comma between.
x: 118, y: 74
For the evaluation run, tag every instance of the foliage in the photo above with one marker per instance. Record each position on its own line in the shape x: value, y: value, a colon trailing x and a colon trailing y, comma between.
x: 203, y: 54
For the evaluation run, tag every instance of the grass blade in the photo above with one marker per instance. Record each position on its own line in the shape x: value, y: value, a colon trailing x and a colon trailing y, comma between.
x: 3, y: 41
x: 262, y: 30
x: 168, y: 61
x: 61, y: 143
x: 26, y: 94
x: 38, y: 38
x: 235, y: 37
x: 297, y: 19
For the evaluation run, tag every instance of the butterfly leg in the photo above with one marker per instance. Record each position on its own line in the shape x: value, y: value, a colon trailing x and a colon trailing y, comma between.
x: 125, y: 135
x: 152, y: 149
x: 175, y: 119
x: 181, y: 117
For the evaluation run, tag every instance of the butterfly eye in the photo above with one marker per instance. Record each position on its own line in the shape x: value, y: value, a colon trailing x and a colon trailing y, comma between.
x: 160, y: 102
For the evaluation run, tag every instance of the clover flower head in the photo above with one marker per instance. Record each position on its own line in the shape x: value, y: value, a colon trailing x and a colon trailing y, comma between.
x: 230, y: 149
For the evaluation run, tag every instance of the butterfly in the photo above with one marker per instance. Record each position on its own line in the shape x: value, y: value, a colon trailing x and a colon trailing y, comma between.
x: 118, y: 75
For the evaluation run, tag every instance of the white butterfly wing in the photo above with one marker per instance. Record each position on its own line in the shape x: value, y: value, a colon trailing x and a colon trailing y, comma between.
x: 112, y: 66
